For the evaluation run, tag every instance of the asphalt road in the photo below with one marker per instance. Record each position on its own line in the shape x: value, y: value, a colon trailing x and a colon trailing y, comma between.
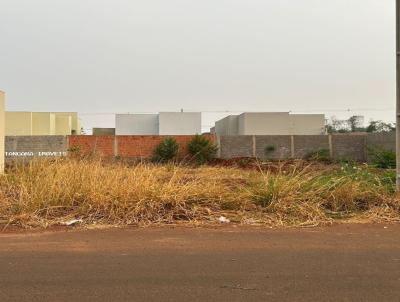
x: 340, y: 263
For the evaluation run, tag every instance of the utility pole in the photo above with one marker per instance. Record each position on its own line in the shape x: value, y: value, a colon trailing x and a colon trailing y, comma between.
x: 398, y: 94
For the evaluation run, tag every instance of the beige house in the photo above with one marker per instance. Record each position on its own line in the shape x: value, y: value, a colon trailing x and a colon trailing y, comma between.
x: 19, y: 123
x: 271, y: 123
x: 163, y: 123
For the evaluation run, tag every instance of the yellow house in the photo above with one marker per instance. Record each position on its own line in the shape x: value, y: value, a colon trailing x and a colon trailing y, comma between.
x: 41, y: 123
x: 67, y: 122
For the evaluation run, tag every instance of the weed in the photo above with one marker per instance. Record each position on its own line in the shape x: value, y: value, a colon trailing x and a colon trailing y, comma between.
x: 202, y: 149
x: 322, y: 155
x: 381, y: 158
x: 166, y: 151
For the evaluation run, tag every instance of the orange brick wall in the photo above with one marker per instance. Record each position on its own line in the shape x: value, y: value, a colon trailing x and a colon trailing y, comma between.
x: 125, y: 146
x: 88, y: 145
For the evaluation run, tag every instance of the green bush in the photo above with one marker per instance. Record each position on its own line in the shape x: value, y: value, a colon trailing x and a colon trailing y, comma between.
x: 383, y: 158
x: 319, y: 155
x: 202, y: 149
x: 167, y: 150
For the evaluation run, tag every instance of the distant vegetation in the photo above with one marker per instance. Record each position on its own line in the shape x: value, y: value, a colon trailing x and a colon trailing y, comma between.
x: 356, y: 124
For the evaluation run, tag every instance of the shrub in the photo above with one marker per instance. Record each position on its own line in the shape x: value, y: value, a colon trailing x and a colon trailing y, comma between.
x: 202, y: 149
x: 269, y: 149
x: 383, y: 158
x: 319, y: 155
x: 167, y: 150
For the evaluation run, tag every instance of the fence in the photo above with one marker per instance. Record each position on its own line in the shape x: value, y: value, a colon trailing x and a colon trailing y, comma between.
x: 125, y: 146
x: 346, y: 146
x: 352, y: 147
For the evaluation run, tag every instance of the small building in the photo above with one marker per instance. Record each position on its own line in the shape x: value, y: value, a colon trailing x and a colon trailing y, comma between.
x: 164, y: 123
x: 271, y: 123
x: 136, y: 124
x: 103, y: 131
x: 19, y: 123
x: 179, y: 123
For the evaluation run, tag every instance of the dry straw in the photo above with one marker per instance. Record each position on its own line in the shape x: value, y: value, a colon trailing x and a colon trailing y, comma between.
x: 45, y: 193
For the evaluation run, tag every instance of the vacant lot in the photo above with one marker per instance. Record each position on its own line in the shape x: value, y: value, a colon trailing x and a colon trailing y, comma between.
x: 340, y: 263
x: 43, y: 194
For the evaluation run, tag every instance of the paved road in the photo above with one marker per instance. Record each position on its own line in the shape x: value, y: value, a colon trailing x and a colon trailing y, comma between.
x: 341, y: 263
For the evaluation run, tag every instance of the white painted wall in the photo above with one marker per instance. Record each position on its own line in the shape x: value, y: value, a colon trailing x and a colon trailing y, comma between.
x: 2, y: 130
x: 271, y: 123
x: 136, y: 124
x: 264, y: 123
x: 228, y: 126
x: 179, y: 123
x: 307, y: 124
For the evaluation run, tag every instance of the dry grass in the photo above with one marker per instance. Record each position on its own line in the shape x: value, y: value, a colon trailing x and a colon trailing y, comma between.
x: 42, y: 194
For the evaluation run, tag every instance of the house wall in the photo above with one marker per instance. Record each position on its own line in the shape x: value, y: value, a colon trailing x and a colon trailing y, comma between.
x: 103, y: 131
x: 307, y: 124
x: 136, y: 124
x: 271, y: 123
x: 63, y: 125
x: 264, y: 123
x: 228, y: 126
x: 43, y: 123
x: 18, y: 123
x: 75, y: 123
x: 179, y: 123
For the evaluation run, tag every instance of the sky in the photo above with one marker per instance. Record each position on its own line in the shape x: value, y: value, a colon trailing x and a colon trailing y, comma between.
x: 101, y: 57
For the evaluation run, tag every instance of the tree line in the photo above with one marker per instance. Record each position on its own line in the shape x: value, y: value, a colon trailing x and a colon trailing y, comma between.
x: 356, y: 124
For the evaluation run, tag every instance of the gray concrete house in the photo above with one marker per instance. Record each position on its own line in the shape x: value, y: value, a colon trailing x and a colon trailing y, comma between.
x: 271, y: 123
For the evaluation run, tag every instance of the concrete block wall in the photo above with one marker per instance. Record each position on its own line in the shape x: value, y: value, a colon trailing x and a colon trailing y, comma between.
x: 386, y: 141
x: 28, y: 147
x: 236, y: 146
x: 351, y: 147
x: 304, y: 145
x: 281, y: 144
x: 340, y: 147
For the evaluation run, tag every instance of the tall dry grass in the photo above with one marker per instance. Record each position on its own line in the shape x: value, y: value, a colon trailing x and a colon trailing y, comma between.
x: 43, y: 193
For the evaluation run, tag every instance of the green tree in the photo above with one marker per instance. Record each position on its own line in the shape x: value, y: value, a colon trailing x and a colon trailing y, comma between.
x: 380, y: 126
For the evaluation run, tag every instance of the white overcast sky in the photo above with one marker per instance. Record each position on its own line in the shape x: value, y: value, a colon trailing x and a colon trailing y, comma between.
x: 108, y: 56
